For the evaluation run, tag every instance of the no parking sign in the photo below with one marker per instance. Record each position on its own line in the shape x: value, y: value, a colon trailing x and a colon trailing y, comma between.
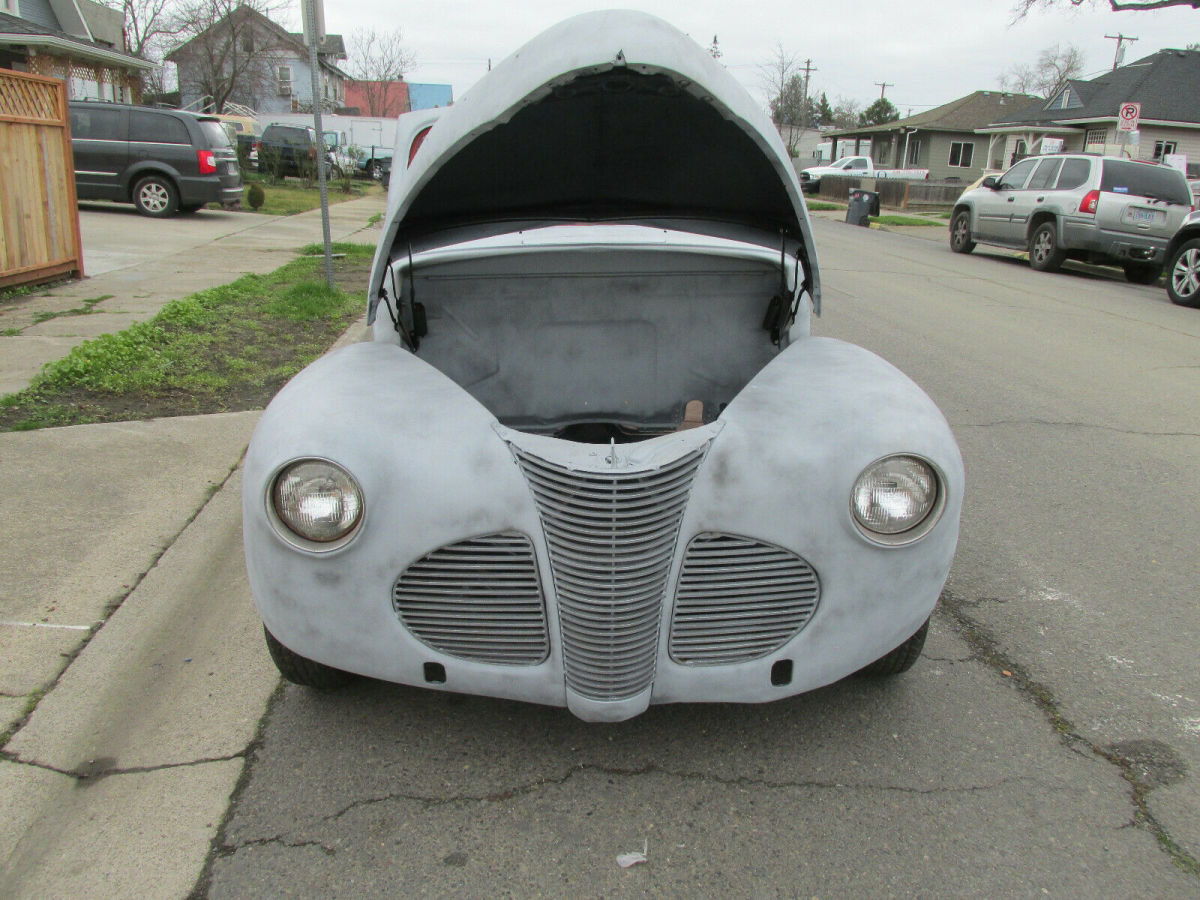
x: 1128, y: 115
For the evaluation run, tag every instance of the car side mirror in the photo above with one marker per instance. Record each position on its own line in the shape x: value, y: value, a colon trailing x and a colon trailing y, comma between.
x: 991, y: 182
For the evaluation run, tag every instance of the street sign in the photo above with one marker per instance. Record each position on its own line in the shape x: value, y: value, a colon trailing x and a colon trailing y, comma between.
x: 1128, y: 115
x: 314, y: 21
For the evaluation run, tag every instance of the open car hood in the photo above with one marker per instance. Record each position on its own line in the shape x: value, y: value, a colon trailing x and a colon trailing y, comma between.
x: 608, y: 116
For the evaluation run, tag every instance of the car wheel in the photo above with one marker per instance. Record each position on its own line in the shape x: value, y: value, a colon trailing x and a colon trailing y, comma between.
x: 300, y: 670
x: 373, y: 171
x: 156, y: 196
x: 1044, y: 252
x: 899, y: 660
x: 960, y: 233
x: 1183, y: 275
x: 1141, y: 273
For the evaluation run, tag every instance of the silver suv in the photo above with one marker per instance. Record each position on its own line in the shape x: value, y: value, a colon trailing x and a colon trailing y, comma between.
x: 1097, y: 209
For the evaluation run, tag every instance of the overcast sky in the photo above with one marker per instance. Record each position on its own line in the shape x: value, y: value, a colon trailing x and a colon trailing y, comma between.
x: 928, y: 51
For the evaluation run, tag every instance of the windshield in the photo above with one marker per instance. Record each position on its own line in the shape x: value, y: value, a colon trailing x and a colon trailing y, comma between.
x: 1145, y: 180
x: 842, y: 163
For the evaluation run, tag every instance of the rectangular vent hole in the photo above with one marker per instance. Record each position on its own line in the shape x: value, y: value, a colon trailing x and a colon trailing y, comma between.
x: 781, y: 672
x: 435, y: 673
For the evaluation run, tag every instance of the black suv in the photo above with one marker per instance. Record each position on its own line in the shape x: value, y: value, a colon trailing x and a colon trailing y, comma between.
x: 290, y: 150
x: 162, y: 161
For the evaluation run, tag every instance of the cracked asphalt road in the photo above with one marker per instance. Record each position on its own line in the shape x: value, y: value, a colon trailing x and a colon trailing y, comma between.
x: 1045, y: 745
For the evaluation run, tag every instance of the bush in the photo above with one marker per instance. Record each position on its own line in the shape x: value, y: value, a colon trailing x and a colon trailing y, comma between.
x: 255, y: 196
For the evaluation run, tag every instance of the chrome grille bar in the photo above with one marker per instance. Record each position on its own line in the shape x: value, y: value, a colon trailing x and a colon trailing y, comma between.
x: 479, y: 599
x: 612, y: 538
x: 739, y: 599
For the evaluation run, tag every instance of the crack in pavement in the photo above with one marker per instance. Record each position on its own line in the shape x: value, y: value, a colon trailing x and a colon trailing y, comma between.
x: 986, y: 648
x: 95, y: 770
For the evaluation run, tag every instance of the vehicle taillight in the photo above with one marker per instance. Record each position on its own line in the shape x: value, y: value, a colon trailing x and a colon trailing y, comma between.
x: 417, y: 142
x: 208, y: 163
x: 1090, y: 200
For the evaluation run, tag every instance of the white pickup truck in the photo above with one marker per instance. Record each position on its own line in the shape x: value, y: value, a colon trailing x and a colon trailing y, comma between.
x: 857, y: 166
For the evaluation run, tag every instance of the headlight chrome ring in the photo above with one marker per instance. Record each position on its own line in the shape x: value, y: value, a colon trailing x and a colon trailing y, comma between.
x: 315, y: 504
x: 897, y: 499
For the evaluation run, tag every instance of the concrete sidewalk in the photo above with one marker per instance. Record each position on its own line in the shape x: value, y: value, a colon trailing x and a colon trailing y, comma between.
x: 135, y: 264
x: 133, y: 673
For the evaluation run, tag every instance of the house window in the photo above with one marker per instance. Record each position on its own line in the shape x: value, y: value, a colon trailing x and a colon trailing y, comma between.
x: 1163, y: 148
x: 284, y: 75
x: 961, y: 153
x: 914, y: 152
x: 1095, y: 137
x: 248, y: 42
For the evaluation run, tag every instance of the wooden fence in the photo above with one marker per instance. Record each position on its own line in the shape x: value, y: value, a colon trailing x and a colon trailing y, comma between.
x: 39, y: 218
x: 894, y: 193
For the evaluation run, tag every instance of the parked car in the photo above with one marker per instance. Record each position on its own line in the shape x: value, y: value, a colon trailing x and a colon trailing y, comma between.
x: 163, y: 161
x: 292, y: 150
x: 375, y: 161
x: 1183, y: 263
x: 593, y: 456
x: 1098, y: 209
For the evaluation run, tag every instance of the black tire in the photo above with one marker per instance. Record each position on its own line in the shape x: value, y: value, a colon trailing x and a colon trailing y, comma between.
x: 373, y: 171
x: 1183, y: 275
x: 302, y: 671
x: 960, y: 232
x: 1044, y: 253
x: 1141, y: 273
x: 899, y: 660
x: 156, y: 196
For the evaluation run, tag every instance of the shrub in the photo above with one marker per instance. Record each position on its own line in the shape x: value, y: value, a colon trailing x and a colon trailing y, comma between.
x: 255, y: 196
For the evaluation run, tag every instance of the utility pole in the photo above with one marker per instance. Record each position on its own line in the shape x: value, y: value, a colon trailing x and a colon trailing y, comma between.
x: 1119, y: 56
x: 809, y: 68
x: 883, y: 86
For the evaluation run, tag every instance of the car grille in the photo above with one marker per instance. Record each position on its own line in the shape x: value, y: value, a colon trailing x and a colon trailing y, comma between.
x: 739, y: 599
x: 612, y: 538
x: 479, y: 599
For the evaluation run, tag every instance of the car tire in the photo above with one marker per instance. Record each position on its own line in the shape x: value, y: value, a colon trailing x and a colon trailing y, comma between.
x: 1183, y: 275
x: 1142, y: 273
x: 373, y: 171
x: 303, y: 671
x: 960, y: 232
x: 1044, y: 253
x: 899, y: 660
x: 156, y: 196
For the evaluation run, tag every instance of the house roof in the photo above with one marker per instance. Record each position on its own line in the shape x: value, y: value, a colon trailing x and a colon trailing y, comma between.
x: 15, y: 32
x: 1162, y: 82
x: 332, y: 46
x: 966, y: 114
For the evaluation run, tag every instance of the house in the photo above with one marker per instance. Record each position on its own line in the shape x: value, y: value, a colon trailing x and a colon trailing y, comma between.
x: 1084, y: 114
x: 246, y: 58
x: 377, y: 98
x: 79, y: 41
x: 943, y: 140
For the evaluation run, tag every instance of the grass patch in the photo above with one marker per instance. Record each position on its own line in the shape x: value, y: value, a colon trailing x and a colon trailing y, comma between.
x: 225, y: 348
x: 85, y: 309
x: 903, y: 220
x: 822, y: 206
x: 290, y: 196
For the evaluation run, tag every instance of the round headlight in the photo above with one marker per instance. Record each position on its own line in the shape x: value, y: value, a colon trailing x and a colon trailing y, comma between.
x: 894, y: 496
x: 317, y: 500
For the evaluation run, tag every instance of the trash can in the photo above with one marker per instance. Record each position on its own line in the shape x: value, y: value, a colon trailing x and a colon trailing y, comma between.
x: 863, y: 205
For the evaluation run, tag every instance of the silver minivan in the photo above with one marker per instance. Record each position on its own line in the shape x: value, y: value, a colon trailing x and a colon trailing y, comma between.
x: 1096, y: 209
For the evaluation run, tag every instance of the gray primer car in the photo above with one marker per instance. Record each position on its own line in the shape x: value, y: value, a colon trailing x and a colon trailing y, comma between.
x: 1183, y: 263
x: 593, y: 457
x: 1098, y: 209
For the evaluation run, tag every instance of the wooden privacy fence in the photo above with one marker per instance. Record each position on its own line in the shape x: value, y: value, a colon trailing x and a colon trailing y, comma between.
x: 894, y: 193
x: 39, y: 219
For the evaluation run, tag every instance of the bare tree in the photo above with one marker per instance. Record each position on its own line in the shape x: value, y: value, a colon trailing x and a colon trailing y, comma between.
x: 147, y: 24
x: 378, y: 59
x: 779, y: 77
x: 1055, y: 66
x: 846, y: 113
x: 231, y: 49
x: 1024, y: 6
